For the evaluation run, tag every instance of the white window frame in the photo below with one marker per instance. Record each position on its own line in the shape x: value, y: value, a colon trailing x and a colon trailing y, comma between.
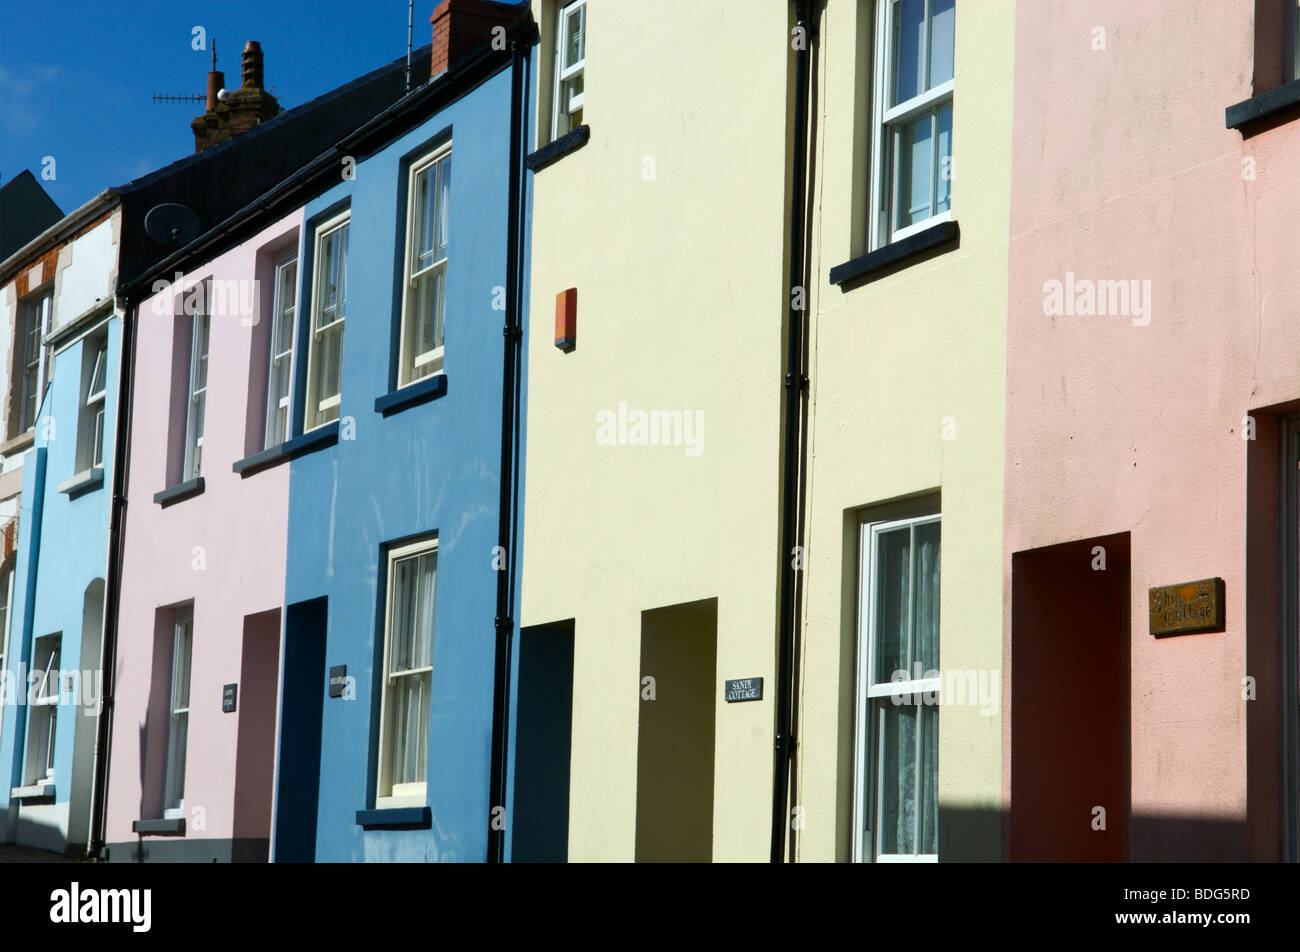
x: 413, y: 366
x: 872, y: 690
x: 562, y: 117
x: 388, y: 794
x: 285, y: 316
x: 318, y: 408
x: 42, y: 729
x: 6, y: 585
x: 887, y: 122
x: 178, y: 713
x: 92, y: 409
x: 1291, y: 42
x: 197, y: 395
x: 35, y: 311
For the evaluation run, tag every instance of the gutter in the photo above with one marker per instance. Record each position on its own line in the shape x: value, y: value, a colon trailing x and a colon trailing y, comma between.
x: 507, y: 527
x: 113, y: 580
x: 793, y: 409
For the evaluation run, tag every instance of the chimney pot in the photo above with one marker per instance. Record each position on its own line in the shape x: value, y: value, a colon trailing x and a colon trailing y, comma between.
x: 252, y: 65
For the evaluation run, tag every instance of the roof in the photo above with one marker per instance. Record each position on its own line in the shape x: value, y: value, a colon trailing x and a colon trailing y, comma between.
x: 25, y: 211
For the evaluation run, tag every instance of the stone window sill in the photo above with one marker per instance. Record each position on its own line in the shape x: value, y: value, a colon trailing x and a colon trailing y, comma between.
x: 554, y: 151
x: 83, y: 482
x: 870, y: 266
x: 412, y: 395
x: 1265, y: 106
x: 174, y: 494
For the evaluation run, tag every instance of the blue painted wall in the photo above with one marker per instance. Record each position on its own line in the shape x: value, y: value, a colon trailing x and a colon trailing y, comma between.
x: 66, y: 539
x: 432, y: 467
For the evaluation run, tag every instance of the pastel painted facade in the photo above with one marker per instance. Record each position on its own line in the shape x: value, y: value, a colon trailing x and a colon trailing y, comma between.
x: 203, y: 568
x: 395, y: 489
x: 55, y: 579
x: 906, y: 365
x: 1153, y: 369
x: 657, y: 556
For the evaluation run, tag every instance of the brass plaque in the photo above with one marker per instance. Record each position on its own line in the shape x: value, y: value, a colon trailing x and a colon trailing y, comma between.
x: 1186, y: 608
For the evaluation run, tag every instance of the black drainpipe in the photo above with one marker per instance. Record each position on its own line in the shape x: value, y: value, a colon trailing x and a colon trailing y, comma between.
x: 507, y: 530
x: 795, y: 387
x: 113, y: 583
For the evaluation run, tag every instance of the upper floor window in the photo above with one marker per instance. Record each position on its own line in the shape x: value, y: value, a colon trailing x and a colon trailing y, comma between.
x: 34, y: 318
x: 426, y: 267
x: 178, y: 713
x: 912, y: 117
x: 896, y: 781
x: 570, y: 63
x: 278, y: 380
x: 94, y: 388
x: 408, y: 675
x: 198, y: 395
x: 328, y: 311
x: 43, y: 716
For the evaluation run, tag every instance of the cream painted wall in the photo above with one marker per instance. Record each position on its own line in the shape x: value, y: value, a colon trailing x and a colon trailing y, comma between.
x: 891, y: 359
x: 670, y: 222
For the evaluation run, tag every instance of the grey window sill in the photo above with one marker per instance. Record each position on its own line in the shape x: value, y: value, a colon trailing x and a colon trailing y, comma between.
x: 35, y: 791
x: 412, y: 395
x: 271, y: 456
x: 547, y: 154
x: 174, y: 494
x: 83, y: 482
x: 870, y: 266
x: 396, y: 818
x: 1267, y: 105
x: 312, y: 440
x: 168, y: 827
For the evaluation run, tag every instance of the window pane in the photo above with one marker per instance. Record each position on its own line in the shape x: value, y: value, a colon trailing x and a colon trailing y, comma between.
x: 341, y: 269
x: 331, y: 362
x: 444, y: 204
x: 97, y: 375
x: 943, y: 153
x: 425, y: 221
x: 897, y: 777
x: 909, y: 59
x: 575, y: 39
x: 422, y: 652
x: 97, y: 447
x: 410, y: 696
x: 404, y: 594
x: 891, y: 600
x: 942, y: 18
x: 914, y: 154
x: 925, y: 610
x: 928, y: 782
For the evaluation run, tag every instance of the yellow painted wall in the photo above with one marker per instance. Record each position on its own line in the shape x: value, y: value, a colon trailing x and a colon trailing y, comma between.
x: 679, y: 269
x: 890, y: 360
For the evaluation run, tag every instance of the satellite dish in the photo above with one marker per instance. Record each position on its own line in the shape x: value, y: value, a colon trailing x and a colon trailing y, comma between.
x: 171, y: 225
x: 222, y: 94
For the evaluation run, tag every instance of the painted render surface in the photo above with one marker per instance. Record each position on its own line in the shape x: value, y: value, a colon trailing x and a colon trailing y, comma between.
x: 907, y: 400
x: 433, y: 467
x: 1133, y: 422
x: 61, y: 557
x: 670, y: 223
x: 222, y: 551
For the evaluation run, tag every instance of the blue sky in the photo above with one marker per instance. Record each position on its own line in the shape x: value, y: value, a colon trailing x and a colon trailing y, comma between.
x: 77, y: 77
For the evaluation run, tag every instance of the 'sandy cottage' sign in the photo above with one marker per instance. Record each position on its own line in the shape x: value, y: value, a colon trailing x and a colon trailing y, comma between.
x: 1186, y: 608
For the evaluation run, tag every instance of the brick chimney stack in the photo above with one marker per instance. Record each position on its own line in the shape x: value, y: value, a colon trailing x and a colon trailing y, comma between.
x: 241, y: 109
x: 461, y: 26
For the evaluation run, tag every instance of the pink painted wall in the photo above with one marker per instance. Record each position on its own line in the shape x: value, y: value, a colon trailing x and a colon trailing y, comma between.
x: 237, y: 526
x: 1123, y: 169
